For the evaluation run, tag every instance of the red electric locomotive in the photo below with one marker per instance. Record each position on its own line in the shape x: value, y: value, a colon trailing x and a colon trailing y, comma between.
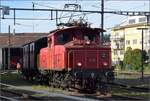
x: 69, y: 57
x: 76, y: 57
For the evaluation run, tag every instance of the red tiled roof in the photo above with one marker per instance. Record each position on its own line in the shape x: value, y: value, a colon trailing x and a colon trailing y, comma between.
x: 19, y: 39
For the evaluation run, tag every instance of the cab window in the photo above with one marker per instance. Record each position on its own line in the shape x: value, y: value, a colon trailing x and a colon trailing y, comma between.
x: 62, y: 39
x: 90, y: 37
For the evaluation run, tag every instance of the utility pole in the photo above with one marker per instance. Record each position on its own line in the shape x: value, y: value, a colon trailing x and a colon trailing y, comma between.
x: 14, y: 21
x: 102, y: 19
x: 148, y: 20
x: 9, y: 47
x: 142, y: 60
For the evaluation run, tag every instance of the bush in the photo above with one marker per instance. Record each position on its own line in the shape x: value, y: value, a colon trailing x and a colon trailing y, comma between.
x: 132, y: 59
x: 147, y: 68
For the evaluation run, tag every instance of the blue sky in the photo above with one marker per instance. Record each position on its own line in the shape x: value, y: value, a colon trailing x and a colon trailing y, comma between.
x: 45, y: 26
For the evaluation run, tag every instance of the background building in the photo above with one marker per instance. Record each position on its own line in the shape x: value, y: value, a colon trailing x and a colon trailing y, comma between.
x: 126, y: 35
x: 14, y: 42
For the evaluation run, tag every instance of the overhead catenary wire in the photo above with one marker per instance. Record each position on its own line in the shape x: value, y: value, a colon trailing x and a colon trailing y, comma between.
x: 40, y: 18
x: 72, y: 0
x: 107, y: 8
x: 43, y: 5
x: 127, y: 0
x: 54, y: 10
x: 85, y: 11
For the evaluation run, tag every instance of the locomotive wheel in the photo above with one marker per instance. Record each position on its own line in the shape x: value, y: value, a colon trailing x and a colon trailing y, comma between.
x: 103, y: 88
x: 66, y: 82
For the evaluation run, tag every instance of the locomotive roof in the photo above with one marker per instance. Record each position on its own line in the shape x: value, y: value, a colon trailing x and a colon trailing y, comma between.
x: 76, y: 28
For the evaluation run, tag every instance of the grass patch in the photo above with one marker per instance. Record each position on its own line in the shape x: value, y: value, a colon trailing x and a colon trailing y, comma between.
x: 14, y: 78
x: 47, y: 88
x: 19, y: 91
x: 133, y: 80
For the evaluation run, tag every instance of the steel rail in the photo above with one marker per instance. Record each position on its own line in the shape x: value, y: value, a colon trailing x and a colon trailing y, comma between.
x: 72, y: 0
x: 7, y: 98
x: 16, y: 93
x: 128, y: 87
x: 127, y: 97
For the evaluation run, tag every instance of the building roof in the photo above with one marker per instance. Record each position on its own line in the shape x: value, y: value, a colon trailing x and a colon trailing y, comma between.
x: 129, y: 26
x: 133, y: 21
x: 19, y: 39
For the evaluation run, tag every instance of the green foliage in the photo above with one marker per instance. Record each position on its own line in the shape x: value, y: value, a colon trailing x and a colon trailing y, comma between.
x: 106, y: 37
x: 147, y: 68
x: 145, y: 57
x: 132, y: 59
x: 136, y: 59
x: 128, y: 58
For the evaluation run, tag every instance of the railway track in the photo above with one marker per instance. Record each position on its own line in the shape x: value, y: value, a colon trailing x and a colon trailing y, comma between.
x: 131, y: 73
x: 128, y: 87
x: 110, y: 97
x: 106, y: 96
x: 49, y: 96
x: 75, y: 97
x: 4, y: 98
x: 116, y: 97
x: 15, y: 96
x: 10, y: 95
x: 6, y: 71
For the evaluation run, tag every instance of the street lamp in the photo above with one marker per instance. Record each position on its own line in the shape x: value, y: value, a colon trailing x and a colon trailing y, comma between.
x: 142, y: 60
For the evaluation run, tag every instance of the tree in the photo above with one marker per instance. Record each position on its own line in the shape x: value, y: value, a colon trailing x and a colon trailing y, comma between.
x: 127, y: 58
x: 132, y: 58
x: 145, y: 56
x: 106, y: 37
x: 136, y: 59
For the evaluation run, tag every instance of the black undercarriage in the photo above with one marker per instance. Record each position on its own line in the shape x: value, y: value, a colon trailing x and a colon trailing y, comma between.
x: 90, y: 80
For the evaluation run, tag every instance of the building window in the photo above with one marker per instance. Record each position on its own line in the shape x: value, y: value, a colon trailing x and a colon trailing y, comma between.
x: 135, y: 41
x: 128, y: 42
x: 116, y: 34
x: 146, y: 31
x: 132, y: 21
x: 148, y: 43
x: 149, y: 51
x: 115, y: 52
x: 143, y: 19
x: 121, y: 52
x: 140, y: 42
x: 148, y: 19
x: 117, y: 45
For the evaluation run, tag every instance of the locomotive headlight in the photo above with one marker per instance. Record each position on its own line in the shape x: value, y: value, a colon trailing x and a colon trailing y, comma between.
x: 88, y: 42
x: 105, y: 64
x: 79, y: 64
